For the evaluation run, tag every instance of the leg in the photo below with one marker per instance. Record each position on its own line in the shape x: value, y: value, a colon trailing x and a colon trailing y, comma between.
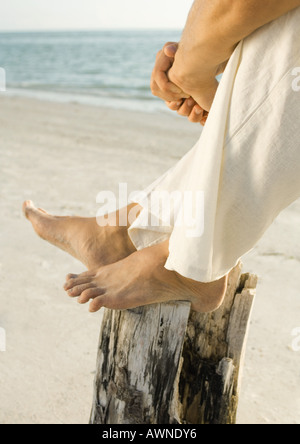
x: 82, y: 238
x: 246, y: 162
x: 141, y: 279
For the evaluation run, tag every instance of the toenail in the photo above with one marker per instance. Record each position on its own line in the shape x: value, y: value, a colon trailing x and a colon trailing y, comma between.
x: 66, y: 286
x: 71, y: 276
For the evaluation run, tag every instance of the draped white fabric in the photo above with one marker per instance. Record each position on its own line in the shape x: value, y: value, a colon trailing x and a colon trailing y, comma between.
x: 246, y: 163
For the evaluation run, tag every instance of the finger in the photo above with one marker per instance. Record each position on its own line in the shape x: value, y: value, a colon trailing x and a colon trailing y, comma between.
x: 162, y: 63
x: 204, y: 119
x: 165, y: 85
x: 170, y: 44
x: 158, y: 55
x: 174, y: 106
x: 164, y: 92
x: 159, y: 78
x: 160, y: 83
x: 186, y: 108
x: 196, y: 114
x: 170, y: 49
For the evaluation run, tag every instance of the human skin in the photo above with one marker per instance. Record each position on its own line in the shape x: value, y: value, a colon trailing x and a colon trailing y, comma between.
x: 88, y: 239
x: 212, y: 32
x: 120, y: 277
x: 166, y: 90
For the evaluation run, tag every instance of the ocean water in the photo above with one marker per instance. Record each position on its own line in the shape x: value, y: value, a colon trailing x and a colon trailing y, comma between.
x: 104, y: 68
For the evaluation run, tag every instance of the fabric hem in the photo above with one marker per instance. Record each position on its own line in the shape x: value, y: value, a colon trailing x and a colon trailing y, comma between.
x: 195, y: 274
x: 140, y: 243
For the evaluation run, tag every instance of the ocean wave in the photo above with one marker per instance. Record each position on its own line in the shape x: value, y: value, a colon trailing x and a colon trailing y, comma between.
x: 104, y: 66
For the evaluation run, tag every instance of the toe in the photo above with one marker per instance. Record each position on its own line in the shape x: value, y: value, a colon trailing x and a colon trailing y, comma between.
x: 43, y: 211
x: 27, y: 207
x: 97, y: 304
x: 40, y: 220
x: 87, y: 274
x: 69, y: 277
x: 76, y: 291
x: 73, y: 280
x: 89, y: 294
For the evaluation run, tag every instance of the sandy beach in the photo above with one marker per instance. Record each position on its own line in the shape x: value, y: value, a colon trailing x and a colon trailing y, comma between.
x: 61, y: 156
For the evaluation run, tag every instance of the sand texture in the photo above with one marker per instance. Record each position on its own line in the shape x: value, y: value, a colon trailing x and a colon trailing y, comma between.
x: 61, y: 156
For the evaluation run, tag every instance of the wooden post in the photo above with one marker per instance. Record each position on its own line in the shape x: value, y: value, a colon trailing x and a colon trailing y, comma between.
x: 165, y: 364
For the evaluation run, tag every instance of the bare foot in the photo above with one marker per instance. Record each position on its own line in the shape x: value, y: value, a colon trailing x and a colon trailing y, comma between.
x: 141, y: 279
x: 82, y: 238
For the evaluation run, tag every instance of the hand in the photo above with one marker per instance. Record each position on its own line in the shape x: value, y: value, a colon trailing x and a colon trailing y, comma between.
x: 185, y: 107
x: 161, y: 86
x: 175, y: 98
x: 202, y: 89
x: 189, y: 108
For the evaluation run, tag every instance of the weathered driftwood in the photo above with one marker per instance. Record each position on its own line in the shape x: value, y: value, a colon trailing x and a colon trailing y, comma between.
x: 165, y: 364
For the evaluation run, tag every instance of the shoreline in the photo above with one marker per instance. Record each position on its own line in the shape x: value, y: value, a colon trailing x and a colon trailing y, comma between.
x: 60, y: 155
x: 152, y: 106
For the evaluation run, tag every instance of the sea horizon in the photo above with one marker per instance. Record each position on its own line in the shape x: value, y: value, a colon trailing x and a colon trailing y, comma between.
x: 107, y: 67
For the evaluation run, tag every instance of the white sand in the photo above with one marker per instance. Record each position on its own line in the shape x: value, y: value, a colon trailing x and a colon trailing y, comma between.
x: 61, y: 156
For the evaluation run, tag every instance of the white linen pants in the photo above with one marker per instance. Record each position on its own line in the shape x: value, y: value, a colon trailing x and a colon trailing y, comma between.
x: 246, y: 165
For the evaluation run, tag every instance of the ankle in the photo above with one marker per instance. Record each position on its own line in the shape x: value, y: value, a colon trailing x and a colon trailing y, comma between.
x: 122, y: 218
x: 129, y: 214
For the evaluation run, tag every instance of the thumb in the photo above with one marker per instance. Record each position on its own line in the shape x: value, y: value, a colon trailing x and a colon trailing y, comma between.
x: 170, y: 49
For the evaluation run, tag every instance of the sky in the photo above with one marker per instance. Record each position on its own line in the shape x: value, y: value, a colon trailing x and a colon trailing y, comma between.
x: 24, y: 15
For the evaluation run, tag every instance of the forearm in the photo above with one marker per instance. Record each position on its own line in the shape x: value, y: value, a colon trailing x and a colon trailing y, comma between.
x: 213, y: 30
